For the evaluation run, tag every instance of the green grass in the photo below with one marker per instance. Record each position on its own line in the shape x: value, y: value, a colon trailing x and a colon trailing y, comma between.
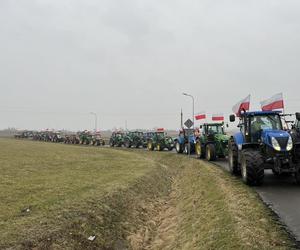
x: 126, y: 198
x: 54, y: 181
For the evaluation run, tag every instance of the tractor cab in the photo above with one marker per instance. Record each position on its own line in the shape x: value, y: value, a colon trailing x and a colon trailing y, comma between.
x: 260, y: 127
x: 212, y: 128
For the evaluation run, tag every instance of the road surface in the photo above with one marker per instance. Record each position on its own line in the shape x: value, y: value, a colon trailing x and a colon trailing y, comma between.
x: 282, y: 195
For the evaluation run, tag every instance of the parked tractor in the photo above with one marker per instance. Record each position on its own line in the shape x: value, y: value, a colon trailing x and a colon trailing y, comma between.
x: 160, y: 141
x: 261, y: 144
x: 213, y: 142
x: 72, y: 139
x: 24, y: 135
x: 57, y: 137
x: 185, y: 139
x: 85, y: 138
x: 134, y: 139
x: 97, y: 139
x: 147, y: 136
x: 116, y: 139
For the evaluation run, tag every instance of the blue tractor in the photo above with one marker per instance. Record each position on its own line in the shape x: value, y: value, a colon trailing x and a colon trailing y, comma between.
x: 185, y: 139
x: 261, y: 144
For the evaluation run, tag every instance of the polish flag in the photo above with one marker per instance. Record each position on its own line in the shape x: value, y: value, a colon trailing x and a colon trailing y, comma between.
x: 242, y: 105
x: 218, y: 117
x: 200, y: 116
x: 275, y: 102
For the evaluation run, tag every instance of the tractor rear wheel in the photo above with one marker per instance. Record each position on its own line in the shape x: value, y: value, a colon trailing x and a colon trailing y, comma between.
x: 252, y: 167
x: 178, y: 148
x: 210, y: 152
x: 233, y: 158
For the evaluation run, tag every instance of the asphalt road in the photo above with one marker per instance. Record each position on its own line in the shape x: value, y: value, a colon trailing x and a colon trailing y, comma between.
x: 282, y: 195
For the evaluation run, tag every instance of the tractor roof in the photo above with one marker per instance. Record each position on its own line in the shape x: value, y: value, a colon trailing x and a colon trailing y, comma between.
x: 213, y: 124
x: 257, y: 113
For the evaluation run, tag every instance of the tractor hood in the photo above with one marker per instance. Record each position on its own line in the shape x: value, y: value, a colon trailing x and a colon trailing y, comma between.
x: 222, y: 137
x: 281, y: 137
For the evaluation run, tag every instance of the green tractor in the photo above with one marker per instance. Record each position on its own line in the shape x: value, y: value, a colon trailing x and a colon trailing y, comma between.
x: 97, y: 139
x: 116, y: 139
x: 213, y: 142
x: 134, y: 139
x: 85, y: 138
x: 160, y: 141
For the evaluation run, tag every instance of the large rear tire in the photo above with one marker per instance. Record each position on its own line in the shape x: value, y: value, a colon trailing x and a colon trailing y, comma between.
x: 210, y: 152
x: 252, y: 167
x: 233, y: 158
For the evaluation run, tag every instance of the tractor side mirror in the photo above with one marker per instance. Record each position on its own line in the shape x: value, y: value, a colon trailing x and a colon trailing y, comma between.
x: 227, y: 125
x: 298, y: 116
x: 232, y: 118
x: 201, y: 126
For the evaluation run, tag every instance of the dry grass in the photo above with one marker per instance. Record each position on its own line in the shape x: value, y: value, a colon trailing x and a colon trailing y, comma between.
x: 132, y: 199
x: 211, y: 210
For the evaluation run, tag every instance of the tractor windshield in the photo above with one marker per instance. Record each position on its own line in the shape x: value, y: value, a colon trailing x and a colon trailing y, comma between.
x: 264, y: 122
x: 215, y: 129
x: 160, y: 134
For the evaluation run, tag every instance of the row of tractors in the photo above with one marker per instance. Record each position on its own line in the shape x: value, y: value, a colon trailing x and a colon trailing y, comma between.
x: 262, y: 143
x: 210, y: 142
x: 84, y: 137
x: 157, y: 140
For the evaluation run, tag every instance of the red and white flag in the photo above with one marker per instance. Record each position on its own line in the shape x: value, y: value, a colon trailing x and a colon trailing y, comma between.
x: 200, y: 116
x: 218, y: 117
x: 275, y: 102
x: 242, y: 105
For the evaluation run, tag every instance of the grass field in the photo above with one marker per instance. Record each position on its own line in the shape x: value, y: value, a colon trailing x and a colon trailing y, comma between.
x: 55, y: 196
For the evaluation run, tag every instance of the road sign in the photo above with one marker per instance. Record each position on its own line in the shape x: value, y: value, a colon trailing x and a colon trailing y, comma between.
x: 189, y: 123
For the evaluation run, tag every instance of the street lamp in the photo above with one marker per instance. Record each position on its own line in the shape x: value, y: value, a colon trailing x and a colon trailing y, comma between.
x: 96, y: 118
x: 193, y: 107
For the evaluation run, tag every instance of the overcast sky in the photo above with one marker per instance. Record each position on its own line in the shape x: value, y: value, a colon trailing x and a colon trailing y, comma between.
x: 131, y: 60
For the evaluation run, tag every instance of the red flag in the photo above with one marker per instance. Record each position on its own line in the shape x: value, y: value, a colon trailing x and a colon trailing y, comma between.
x: 242, y: 105
x: 200, y: 116
x: 218, y: 117
x: 160, y: 130
x: 275, y: 102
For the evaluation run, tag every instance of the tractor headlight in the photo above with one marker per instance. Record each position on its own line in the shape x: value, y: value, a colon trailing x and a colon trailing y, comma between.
x: 289, y: 144
x: 275, y: 144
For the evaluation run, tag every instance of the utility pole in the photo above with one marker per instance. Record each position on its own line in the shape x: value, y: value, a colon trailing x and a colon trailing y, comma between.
x: 181, y: 119
x: 96, y: 118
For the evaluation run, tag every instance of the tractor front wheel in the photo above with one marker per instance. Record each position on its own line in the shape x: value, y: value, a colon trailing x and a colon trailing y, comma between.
x: 252, y: 167
x: 150, y: 146
x: 210, y: 152
x: 158, y: 147
x: 198, y: 150
x: 127, y: 144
